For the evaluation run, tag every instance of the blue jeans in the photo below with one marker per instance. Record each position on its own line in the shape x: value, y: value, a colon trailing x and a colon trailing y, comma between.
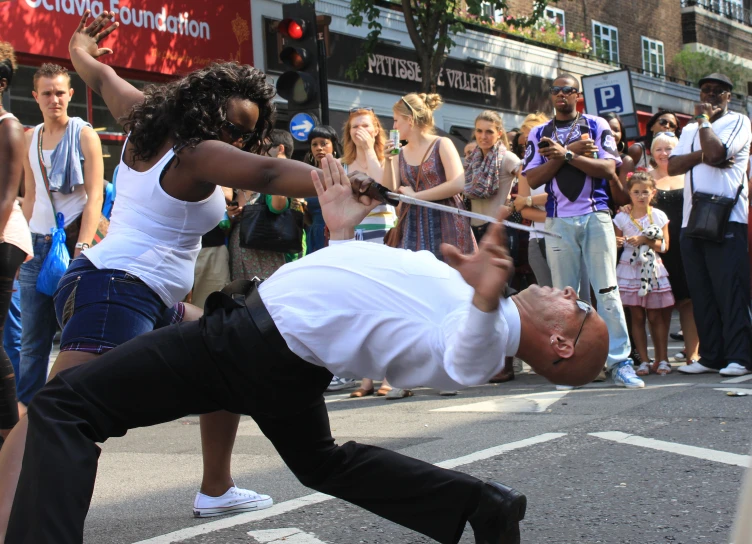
x: 12, y: 331
x: 590, y: 238
x: 40, y: 324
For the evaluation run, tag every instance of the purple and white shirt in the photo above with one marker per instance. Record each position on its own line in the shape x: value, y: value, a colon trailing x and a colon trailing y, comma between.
x: 572, y: 192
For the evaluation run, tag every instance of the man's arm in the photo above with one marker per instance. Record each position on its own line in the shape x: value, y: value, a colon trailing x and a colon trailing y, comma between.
x: 681, y: 164
x: 12, y: 147
x: 93, y: 185
x: 30, y: 187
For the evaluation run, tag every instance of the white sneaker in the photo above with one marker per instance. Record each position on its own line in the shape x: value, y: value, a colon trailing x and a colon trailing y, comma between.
x: 695, y: 368
x: 681, y: 356
x: 338, y: 384
x: 234, y: 501
x: 734, y: 369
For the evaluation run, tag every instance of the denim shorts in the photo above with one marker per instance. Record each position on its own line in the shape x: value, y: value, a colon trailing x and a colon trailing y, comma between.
x: 100, y: 309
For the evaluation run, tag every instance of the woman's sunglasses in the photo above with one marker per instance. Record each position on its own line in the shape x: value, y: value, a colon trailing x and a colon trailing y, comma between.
x: 566, y: 89
x: 667, y: 123
x: 361, y: 108
x: 237, y: 133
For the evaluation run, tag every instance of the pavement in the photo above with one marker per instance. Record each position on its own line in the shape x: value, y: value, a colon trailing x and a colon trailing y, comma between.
x: 599, y: 465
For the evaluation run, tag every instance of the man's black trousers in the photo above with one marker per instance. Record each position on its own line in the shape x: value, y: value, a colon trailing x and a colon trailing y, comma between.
x: 718, y: 280
x: 222, y: 362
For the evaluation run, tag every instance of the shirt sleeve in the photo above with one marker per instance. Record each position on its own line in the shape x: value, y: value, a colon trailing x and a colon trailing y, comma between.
x: 660, y: 218
x: 735, y: 136
x: 511, y: 161
x: 532, y: 159
x: 682, y: 148
x: 475, y: 346
x: 619, y: 220
x: 605, y: 141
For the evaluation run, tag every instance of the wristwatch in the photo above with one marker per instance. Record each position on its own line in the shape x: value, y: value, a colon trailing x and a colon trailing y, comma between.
x: 82, y: 245
x: 706, y: 124
x: 568, y: 155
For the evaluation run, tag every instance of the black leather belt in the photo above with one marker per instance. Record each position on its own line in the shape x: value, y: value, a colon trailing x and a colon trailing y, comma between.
x: 263, y: 321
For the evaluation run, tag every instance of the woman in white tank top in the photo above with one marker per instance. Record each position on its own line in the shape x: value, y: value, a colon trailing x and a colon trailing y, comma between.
x: 186, y: 140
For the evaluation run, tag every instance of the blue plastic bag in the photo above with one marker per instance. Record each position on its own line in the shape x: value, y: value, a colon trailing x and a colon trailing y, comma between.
x: 56, y: 262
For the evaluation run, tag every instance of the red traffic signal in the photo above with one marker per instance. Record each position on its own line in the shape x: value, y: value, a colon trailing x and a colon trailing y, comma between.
x: 295, y: 29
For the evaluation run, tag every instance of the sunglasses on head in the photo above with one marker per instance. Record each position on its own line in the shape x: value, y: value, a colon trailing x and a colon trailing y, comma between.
x: 666, y: 123
x: 666, y: 133
x: 237, y: 133
x: 361, y: 108
x: 587, y: 308
x: 566, y: 89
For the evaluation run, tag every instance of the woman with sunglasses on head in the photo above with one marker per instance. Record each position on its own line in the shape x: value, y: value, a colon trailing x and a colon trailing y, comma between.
x: 322, y: 139
x: 185, y: 140
x: 670, y: 199
x: 662, y: 121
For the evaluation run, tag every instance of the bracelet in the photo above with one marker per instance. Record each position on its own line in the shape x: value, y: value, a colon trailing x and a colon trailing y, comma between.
x: 82, y: 245
x: 702, y: 116
x: 663, y: 246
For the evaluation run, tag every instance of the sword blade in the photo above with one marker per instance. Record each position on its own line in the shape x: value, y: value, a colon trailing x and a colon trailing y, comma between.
x: 464, y: 213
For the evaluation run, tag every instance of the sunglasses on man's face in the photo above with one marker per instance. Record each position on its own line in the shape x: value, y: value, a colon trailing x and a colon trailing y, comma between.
x: 715, y: 91
x: 237, y: 133
x: 667, y: 123
x: 587, y: 308
x: 566, y: 89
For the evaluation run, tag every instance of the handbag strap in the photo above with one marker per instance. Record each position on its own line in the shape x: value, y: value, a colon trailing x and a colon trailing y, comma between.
x: 692, y: 177
x: 420, y: 166
x: 43, y: 168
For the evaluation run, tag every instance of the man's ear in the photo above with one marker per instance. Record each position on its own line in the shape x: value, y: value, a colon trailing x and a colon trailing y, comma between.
x: 563, y: 347
x: 281, y: 151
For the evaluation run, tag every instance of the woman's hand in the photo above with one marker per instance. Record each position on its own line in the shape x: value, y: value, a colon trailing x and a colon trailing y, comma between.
x: 519, y: 204
x: 408, y: 191
x: 363, y: 139
x: 637, y: 241
x: 388, y: 146
x: 626, y: 209
x: 233, y: 212
x: 87, y: 38
x: 619, y: 241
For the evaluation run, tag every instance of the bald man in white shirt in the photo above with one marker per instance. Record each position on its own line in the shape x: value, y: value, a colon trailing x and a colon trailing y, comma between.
x: 354, y: 309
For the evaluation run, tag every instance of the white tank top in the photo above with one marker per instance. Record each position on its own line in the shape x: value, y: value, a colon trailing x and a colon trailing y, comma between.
x: 16, y: 230
x: 71, y: 205
x: 154, y: 236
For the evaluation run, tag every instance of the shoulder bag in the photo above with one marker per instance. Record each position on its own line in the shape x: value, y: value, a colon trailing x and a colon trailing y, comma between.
x: 261, y: 228
x: 710, y: 213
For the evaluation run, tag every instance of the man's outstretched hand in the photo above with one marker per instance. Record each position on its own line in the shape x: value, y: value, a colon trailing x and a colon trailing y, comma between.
x: 341, y: 207
x: 488, y: 269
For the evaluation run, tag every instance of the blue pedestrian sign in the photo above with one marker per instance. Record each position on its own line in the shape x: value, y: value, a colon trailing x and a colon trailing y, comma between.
x: 301, y: 126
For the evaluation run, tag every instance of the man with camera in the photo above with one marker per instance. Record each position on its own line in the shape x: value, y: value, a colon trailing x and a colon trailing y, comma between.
x: 714, y: 152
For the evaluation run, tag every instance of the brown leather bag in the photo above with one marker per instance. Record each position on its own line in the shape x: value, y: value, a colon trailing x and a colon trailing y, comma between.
x: 393, y: 238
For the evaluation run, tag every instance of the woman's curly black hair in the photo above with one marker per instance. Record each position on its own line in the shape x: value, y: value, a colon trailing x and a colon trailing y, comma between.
x: 194, y: 108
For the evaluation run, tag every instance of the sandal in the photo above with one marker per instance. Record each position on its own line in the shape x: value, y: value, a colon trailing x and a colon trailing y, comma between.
x: 397, y: 393
x: 383, y: 391
x: 663, y: 368
x: 643, y: 369
x: 360, y: 392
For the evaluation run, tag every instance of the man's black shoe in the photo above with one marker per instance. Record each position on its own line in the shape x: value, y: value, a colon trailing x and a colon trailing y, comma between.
x: 497, y: 518
x: 678, y: 336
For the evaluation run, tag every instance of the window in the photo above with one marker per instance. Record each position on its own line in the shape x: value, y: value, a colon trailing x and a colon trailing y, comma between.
x: 653, y: 61
x: 557, y: 17
x: 487, y: 9
x: 606, y: 42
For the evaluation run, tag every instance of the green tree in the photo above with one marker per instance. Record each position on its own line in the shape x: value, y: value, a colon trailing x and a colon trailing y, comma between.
x: 431, y: 25
x: 693, y: 65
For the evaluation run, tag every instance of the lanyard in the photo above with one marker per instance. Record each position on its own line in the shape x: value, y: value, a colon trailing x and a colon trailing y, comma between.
x: 650, y: 218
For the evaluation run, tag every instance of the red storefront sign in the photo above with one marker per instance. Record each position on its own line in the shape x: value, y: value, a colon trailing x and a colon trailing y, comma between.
x: 174, y: 36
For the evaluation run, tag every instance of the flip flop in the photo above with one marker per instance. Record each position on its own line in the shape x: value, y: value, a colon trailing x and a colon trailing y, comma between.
x: 397, y: 393
x: 383, y: 391
x: 360, y: 392
x: 662, y: 368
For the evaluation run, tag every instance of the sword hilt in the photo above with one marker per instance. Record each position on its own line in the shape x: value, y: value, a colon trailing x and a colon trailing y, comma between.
x: 380, y: 193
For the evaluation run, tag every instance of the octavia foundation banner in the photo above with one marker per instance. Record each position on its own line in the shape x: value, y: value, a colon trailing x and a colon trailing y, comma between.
x: 158, y: 36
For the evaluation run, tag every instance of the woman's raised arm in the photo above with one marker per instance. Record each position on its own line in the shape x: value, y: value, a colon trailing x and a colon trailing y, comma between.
x: 119, y: 95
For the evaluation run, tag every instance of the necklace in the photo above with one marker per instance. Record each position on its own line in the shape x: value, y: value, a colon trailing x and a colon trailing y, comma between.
x: 650, y: 218
x: 571, y: 129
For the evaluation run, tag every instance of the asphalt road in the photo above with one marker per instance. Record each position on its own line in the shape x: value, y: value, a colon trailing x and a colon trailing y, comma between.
x: 664, y: 465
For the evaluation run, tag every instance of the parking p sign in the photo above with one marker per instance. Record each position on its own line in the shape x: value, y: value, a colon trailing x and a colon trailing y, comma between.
x: 611, y: 92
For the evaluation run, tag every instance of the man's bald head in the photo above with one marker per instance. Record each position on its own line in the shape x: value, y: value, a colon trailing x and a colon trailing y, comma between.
x: 551, y: 322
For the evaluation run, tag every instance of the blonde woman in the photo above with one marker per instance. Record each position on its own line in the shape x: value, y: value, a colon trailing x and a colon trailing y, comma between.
x: 429, y: 169
x: 490, y: 171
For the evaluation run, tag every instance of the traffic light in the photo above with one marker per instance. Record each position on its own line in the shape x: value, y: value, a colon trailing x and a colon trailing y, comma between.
x: 300, y: 85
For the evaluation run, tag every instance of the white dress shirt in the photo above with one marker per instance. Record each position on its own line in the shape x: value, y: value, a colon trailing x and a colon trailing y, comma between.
x: 373, y: 311
x: 734, y: 132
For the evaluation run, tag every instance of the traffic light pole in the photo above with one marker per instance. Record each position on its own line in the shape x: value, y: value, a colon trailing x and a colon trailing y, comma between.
x: 323, y: 77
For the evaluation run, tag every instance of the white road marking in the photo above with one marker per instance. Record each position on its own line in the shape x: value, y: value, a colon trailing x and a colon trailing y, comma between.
x: 672, y: 447
x: 314, y: 498
x: 523, y: 403
x: 738, y: 379
x: 290, y: 535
